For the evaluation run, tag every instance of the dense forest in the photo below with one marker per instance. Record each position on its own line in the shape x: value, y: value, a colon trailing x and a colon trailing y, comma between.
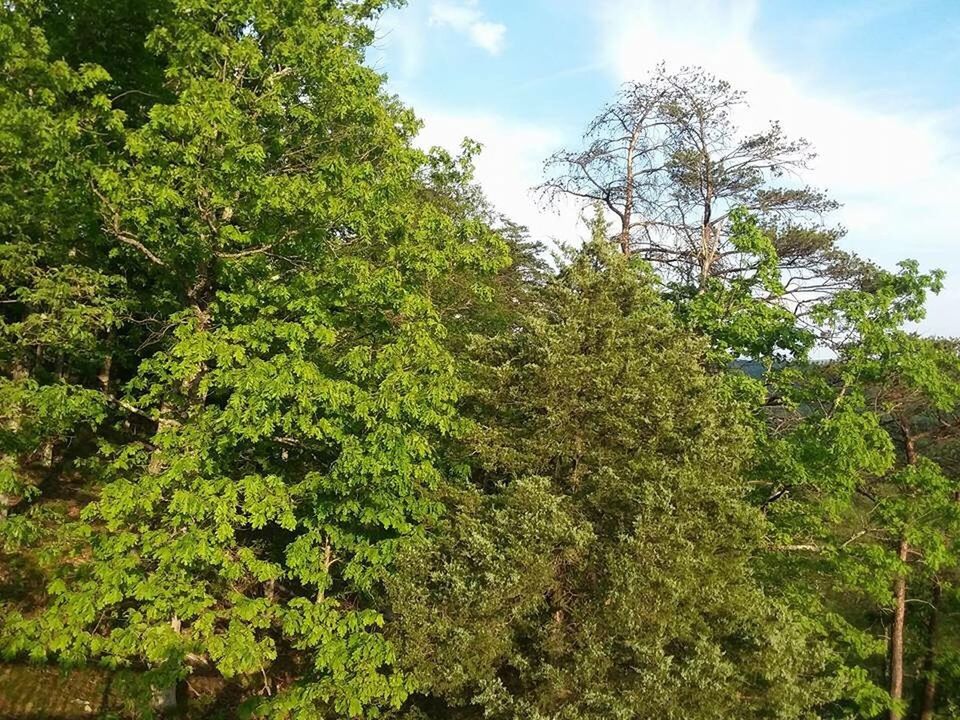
x: 285, y: 403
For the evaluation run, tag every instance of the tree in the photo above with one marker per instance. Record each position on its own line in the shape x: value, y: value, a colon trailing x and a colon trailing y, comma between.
x: 61, y: 296
x: 284, y: 400
x: 859, y: 486
x: 273, y: 443
x: 668, y: 161
x: 744, y: 316
x: 598, y: 564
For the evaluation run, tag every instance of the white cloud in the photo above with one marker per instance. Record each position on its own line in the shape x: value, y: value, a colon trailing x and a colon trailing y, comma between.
x: 400, y: 36
x: 895, y: 171
x: 508, y: 167
x: 511, y: 161
x: 466, y: 17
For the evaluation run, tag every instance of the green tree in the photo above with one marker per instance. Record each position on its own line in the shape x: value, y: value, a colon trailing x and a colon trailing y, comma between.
x: 111, y: 35
x: 598, y: 564
x: 745, y: 314
x: 273, y: 443
x: 62, y: 296
x: 859, y: 489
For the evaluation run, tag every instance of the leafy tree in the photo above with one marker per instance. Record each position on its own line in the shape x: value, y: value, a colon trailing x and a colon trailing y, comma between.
x: 599, y: 563
x: 860, y: 487
x: 742, y: 315
x: 111, y: 35
x: 283, y: 399
x: 708, y: 206
x: 273, y: 444
x: 61, y: 296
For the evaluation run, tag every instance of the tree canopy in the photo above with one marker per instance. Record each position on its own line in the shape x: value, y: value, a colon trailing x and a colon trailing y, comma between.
x: 287, y: 405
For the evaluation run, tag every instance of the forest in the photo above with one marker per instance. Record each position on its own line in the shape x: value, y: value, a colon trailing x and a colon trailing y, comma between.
x: 295, y: 424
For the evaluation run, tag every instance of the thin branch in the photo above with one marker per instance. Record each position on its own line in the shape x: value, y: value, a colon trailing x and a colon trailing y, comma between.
x: 245, y: 253
x: 121, y: 234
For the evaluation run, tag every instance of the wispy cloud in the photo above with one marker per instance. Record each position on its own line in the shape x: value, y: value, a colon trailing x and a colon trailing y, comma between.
x: 466, y: 17
x: 513, y: 148
x: 894, y: 167
x: 399, y: 35
x: 561, y: 74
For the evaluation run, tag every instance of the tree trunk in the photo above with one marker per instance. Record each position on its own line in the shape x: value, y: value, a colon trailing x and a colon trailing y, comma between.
x: 896, y: 635
x: 627, y: 217
x: 930, y: 661
x: 708, y: 240
x: 104, y: 375
x: 909, y: 447
x: 900, y: 595
x: 47, y: 448
x: 17, y: 372
x: 165, y: 699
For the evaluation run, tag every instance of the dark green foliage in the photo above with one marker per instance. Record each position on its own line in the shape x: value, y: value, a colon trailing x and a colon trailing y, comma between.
x: 113, y: 36
x: 603, y: 569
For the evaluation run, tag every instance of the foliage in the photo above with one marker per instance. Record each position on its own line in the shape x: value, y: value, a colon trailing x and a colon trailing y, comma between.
x: 610, y: 576
x: 858, y: 479
x: 285, y: 401
x: 272, y: 444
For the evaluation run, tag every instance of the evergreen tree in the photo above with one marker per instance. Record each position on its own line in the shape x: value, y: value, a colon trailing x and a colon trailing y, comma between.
x: 599, y: 564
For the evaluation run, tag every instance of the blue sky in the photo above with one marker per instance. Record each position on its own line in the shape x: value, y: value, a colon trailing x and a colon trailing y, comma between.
x: 874, y: 85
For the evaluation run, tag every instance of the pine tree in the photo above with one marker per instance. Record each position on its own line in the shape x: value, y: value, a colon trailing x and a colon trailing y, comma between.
x: 599, y: 563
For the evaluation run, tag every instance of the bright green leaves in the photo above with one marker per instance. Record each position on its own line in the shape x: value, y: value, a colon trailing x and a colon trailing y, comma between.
x: 350, y: 663
x: 244, y: 648
x: 246, y: 273
x: 267, y: 499
x: 747, y: 238
x: 745, y: 314
x: 34, y: 417
x: 32, y: 412
x: 876, y: 315
x: 311, y: 423
x: 60, y: 298
x: 854, y: 467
